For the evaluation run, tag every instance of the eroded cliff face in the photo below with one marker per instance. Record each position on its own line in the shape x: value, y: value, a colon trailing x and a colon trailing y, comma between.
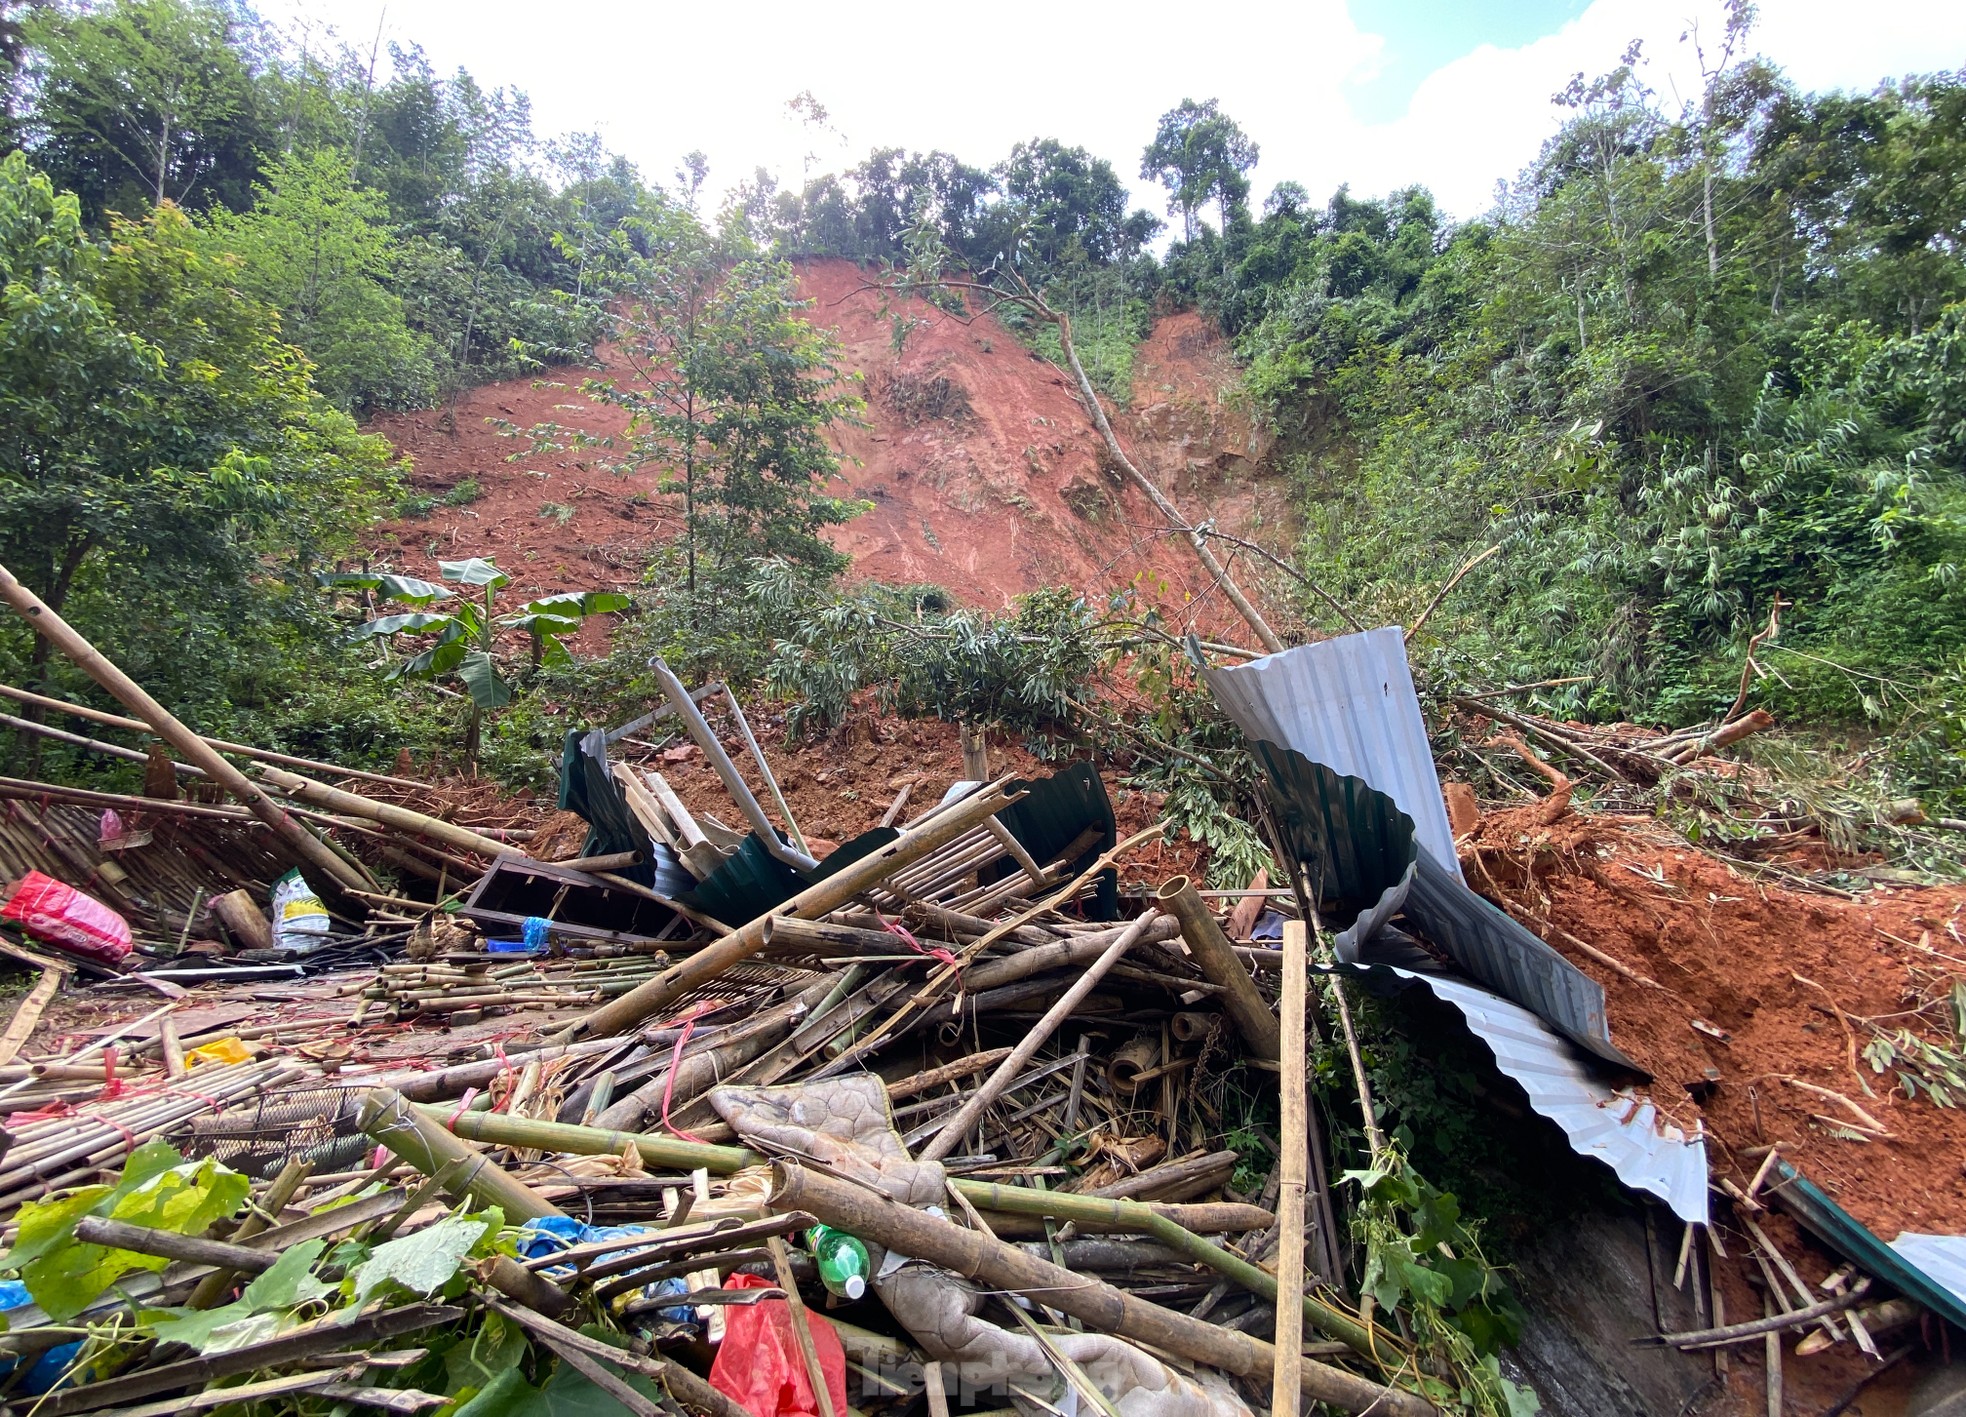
x: 983, y: 472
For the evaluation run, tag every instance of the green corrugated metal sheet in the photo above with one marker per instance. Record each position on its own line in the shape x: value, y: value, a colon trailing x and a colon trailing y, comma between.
x: 1849, y: 1237
x: 754, y: 881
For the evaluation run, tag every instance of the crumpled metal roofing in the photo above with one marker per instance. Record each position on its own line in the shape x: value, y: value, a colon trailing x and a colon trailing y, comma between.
x: 1346, y: 709
x: 1356, y: 842
x: 1616, y: 1126
x: 588, y: 788
x: 1349, y: 704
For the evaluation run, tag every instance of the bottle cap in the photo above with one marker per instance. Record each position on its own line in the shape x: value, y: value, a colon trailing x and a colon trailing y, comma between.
x: 855, y: 1286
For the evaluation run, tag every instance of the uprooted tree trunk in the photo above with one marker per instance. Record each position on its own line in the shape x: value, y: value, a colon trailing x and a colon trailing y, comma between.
x: 1217, y: 572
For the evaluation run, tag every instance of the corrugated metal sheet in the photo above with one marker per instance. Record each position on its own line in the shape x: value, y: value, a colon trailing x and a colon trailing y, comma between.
x: 1354, y: 841
x: 1347, y: 703
x: 1941, y: 1258
x: 1849, y: 1237
x: 1616, y: 1126
x: 1054, y: 812
x: 1508, y: 959
x: 1357, y: 839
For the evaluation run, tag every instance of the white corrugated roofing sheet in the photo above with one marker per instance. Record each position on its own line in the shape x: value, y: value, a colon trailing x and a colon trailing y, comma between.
x: 1941, y: 1258
x: 1616, y: 1126
x: 1349, y: 704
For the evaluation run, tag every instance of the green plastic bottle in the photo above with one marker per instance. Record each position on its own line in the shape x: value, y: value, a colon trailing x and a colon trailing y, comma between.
x: 842, y: 1261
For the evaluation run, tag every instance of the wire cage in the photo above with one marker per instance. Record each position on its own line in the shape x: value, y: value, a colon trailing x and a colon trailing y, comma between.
x: 315, y: 1124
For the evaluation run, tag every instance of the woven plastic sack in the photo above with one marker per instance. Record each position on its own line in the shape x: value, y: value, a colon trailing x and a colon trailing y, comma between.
x: 758, y: 1363
x: 62, y: 916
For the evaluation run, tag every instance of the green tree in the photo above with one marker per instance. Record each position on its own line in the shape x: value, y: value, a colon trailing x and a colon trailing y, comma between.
x: 1059, y: 200
x: 160, y: 444
x: 731, y: 396
x: 144, y: 101
x: 1200, y: 155
x: 318, y: 248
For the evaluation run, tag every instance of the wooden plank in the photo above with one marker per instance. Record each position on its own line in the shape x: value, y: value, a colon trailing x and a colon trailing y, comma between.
x: 1294, y: 1167
x: 21, y: 1028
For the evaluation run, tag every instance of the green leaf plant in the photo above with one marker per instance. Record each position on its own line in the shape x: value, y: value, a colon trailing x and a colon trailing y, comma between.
x: 461, y: 638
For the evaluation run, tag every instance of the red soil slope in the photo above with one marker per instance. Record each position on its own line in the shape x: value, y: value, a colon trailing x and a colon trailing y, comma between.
x: 984, y: 473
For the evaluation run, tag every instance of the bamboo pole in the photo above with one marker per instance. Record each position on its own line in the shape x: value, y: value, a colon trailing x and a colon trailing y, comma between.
x: 668, y: 1153
x: 337, y: 874
x: 265, y: 1212
x: 624, y: 1013
x: 953, y: 1131
x: 995, y: 973
x: 388, y: 814
x: 1178, y: 1227
x: 1292, y: 1164
x: 873, y: 1215
x: 243, y: 750
x: 422, y: 1141
x: 1217, y: 959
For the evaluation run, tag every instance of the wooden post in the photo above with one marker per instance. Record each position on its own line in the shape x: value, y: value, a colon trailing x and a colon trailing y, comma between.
x: 976, y: 754
x: 240, y: 914
x: 873, y: 1215
x: 1217, y: 958
x: 836, y: 890
x: 1292, y: 1165
x: 333, y: 871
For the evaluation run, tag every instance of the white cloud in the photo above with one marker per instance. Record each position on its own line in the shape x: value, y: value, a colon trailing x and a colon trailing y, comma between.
x: 658, y: 80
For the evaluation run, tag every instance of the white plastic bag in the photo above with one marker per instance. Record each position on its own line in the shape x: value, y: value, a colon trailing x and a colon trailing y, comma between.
x: 300, y: 921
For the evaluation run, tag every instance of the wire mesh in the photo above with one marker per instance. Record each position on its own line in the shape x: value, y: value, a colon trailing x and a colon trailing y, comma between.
x: 317, y: 1125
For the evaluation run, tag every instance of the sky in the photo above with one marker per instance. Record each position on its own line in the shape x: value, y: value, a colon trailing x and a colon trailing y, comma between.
x: 1380, y: 94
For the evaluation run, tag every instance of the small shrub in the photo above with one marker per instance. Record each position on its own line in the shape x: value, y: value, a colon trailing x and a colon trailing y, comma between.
x: 463, y: 494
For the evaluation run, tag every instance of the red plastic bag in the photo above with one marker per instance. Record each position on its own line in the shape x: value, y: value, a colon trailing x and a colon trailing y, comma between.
x: 62, y: 916
x: 758, y: 1364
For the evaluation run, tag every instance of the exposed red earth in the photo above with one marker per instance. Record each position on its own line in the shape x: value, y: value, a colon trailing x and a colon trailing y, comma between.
x: 984, y: 474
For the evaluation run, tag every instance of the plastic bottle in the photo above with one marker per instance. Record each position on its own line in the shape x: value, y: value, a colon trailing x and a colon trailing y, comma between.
x: 842, y: 1261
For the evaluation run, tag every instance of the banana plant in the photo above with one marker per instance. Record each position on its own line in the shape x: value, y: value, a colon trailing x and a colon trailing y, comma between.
x: 463, y: 631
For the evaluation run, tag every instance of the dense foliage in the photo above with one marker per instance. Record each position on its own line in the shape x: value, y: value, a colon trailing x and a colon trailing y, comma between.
x: 1701, y: 361
x: 405, y: 229
x: 1697, y: 360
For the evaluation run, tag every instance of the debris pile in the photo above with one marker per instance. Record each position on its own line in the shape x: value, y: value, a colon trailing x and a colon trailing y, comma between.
x: 708, y: 1113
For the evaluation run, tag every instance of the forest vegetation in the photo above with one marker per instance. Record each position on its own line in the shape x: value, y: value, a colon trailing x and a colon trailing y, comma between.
x: 1703, y: 362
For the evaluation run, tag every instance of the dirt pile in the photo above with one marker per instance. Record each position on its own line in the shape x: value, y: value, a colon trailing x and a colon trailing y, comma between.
x: 983, y: 472
x: 1754, y: 1003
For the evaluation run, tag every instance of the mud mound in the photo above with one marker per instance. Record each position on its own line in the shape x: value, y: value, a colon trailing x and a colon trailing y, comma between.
x: 1751, y: 989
